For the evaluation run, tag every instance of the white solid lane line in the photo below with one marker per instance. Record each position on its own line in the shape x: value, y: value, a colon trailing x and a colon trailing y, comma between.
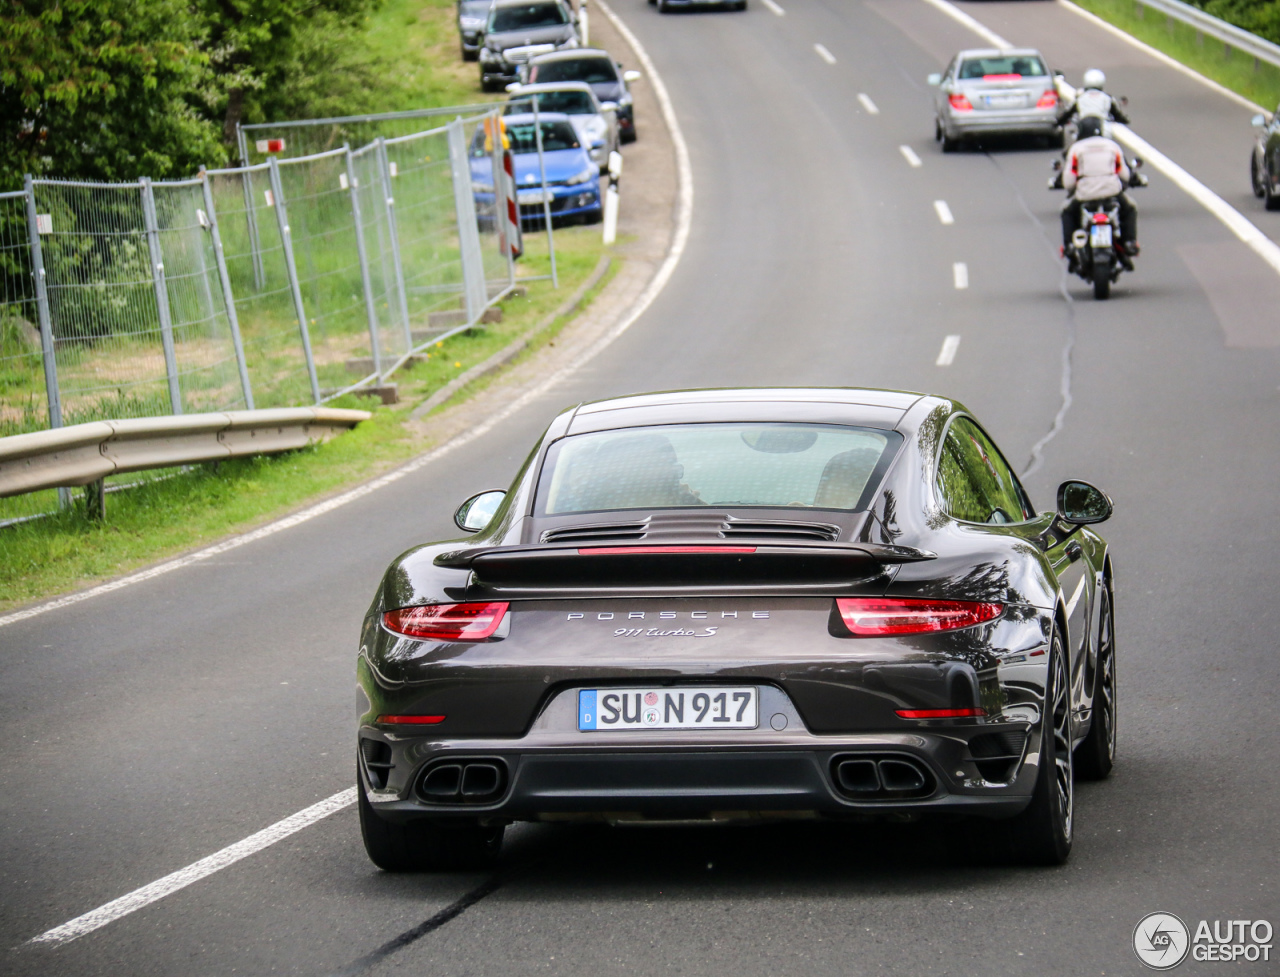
x: 960, y: 274
x: 870, y: 106
x: 684, y: 222
x: 944, y: 212
x: 182, y: 878
x: 947, y: 355
x: 979, y: 28
x: 824, y: 54
x: 774, y: 7
x: 910, y: 155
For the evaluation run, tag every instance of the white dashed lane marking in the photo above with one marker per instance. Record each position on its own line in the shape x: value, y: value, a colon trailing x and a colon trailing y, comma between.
x: 910, y: 156
x: 824, y: 54
x: 960, y: 272
x: 774, y: 7
x: 944, y: 212
x: 947, y: 355
x: 867, y: 104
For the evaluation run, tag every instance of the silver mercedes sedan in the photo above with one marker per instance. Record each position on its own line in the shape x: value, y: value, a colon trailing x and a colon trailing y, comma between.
x: 989, y: 92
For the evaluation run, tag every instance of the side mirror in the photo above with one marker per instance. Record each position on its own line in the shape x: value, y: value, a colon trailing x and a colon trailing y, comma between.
x: 615, y: 164
x: 1082, y: 504
x: 477, y: 512
x: 934, y: 79
x: 1259, y: 121
x: 630, y: 76
x: 609, y: 106
x: 514, y: 87
x: 1136, y: 163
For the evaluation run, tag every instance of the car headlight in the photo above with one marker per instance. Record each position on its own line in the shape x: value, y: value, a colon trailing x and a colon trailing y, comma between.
x: 471, y: 23
x: 582, y: 177
x: 477, y: 187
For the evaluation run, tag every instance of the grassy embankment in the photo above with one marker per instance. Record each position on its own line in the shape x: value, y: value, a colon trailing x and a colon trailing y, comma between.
x: 1231, y: 69
x: 417, y: 39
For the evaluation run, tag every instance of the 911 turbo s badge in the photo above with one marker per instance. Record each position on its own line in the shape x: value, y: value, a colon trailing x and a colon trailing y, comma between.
x: 660, y: 633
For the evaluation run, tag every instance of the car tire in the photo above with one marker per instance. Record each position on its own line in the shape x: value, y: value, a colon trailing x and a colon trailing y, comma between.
x: 949, y: 145
x: 629, y: 136
x: 1270, y: 199
x: 1254, y: 180
x: 424, y: 846
x: 469, y: 55
x: 740, y: 5
x: 664, y: 7
x: 1042, y: 833
x: 1096, y: 754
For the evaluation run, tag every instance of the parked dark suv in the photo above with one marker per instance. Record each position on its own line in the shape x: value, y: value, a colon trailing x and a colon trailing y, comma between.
x: 517, y: 30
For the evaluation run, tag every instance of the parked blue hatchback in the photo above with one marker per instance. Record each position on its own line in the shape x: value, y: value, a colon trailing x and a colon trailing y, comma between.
x: 573, y: 181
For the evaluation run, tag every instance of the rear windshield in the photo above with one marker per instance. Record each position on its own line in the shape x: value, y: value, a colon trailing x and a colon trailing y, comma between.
x: 570, y: 103
x: 555, y: 136
x: 527, y: 17
x: 1013, y: 65
x: 795, y: 465
x: 593, y: 71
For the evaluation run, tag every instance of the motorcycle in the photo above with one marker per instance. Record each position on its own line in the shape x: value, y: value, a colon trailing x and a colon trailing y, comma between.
x: 1095, y: 252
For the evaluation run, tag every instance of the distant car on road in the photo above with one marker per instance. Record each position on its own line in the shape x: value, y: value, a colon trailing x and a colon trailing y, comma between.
x: 593, y: 67
x: 471, y: 16
x: 517, y: 30
x: 743, y: 605
x: 664, y: 6
x: 597, y: 125
x: 573, y: 179
x: 1264, y: 164
x: 994, y: 92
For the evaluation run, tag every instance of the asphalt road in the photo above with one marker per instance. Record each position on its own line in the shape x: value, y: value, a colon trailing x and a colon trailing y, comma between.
x: 149, y: 728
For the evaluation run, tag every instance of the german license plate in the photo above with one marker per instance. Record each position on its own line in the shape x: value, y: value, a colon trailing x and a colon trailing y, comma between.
x: 1005, y: 101
x: 534, y: 196
x: 1100, y: 235
x: 688, y: 708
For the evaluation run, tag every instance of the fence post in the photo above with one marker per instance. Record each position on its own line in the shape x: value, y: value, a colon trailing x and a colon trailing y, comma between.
x: 162, y: 292
x: 286, y: 242
x: 228, y: 297
x: 389, y: 203
x: 546, y: 200
x: 250, y: 215
x: 370, y: 306
x: 42, y: 308
x: 474, y: 287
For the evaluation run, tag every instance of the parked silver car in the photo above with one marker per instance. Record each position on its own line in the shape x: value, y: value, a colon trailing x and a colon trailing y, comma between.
x: 596, y: 122
x: 989, y: 92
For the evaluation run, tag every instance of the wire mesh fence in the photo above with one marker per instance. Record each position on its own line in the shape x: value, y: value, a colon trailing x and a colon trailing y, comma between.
x: 273, y: 284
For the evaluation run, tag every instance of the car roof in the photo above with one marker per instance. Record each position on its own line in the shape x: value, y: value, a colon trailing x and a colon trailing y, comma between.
x: 577, y: 52
x: 520, y: 117
x: 829, y: 405
x: 525, y: 3
x: 553, y: 86
x: 993, y: 52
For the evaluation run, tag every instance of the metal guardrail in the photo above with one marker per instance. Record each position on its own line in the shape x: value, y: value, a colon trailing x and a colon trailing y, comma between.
x: 1236, y: 37
x: 85, y: 454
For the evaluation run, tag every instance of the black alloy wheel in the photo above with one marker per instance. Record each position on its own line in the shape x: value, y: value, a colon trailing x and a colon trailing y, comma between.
x: 1254, y: 179
x: 1042, y: 833
x: 1096, y: 755
x: 424, y: 846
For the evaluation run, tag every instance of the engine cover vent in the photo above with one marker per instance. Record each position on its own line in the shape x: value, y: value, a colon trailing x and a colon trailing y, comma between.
x: 780, y: 530
x: 596, y: 534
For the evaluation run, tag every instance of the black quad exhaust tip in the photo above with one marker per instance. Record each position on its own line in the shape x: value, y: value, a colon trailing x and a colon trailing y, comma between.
x: 463, y: 781
x: 880, y: 777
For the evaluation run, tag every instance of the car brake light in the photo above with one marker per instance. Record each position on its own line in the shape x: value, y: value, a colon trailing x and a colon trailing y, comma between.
x: 412, y: 720
x: 1048, y: 100
x: 447, y: 622
x: 633, y: 550
x: 941, y: 713
x: 960, y: 102
x: 1009, y: 77
x: 1101, y: 219
x: 870, y: 616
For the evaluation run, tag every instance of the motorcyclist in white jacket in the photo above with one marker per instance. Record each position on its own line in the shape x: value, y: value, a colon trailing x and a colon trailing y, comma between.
x: 1095, y: 169
x: 1092, y: 101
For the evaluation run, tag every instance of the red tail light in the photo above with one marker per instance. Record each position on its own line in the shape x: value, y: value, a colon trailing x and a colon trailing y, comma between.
x: 447, y: 622
x: 1048, y: 100
x: 871, y: 616
x: 412, y: 720
x: 941, y: 713
x: 1101, y: 219
x: 635, y: 550
x: 960, y: 102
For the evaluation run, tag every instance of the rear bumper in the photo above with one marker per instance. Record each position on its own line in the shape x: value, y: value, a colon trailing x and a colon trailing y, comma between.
x: 983, y: 123
x: 797, y: 779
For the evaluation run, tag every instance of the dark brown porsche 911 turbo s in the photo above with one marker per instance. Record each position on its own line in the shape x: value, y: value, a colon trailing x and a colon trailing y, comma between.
x: 742, y: 604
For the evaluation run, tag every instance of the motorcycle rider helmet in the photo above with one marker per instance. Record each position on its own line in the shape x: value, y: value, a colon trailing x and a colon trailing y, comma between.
x: 1094, y: 78
x: 1088, y: 127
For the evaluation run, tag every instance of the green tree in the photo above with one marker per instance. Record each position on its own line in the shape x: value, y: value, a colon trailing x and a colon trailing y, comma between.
x: 103, y: 90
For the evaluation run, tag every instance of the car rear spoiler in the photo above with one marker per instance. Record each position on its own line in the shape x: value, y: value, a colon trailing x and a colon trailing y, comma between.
x: 676, y: 564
